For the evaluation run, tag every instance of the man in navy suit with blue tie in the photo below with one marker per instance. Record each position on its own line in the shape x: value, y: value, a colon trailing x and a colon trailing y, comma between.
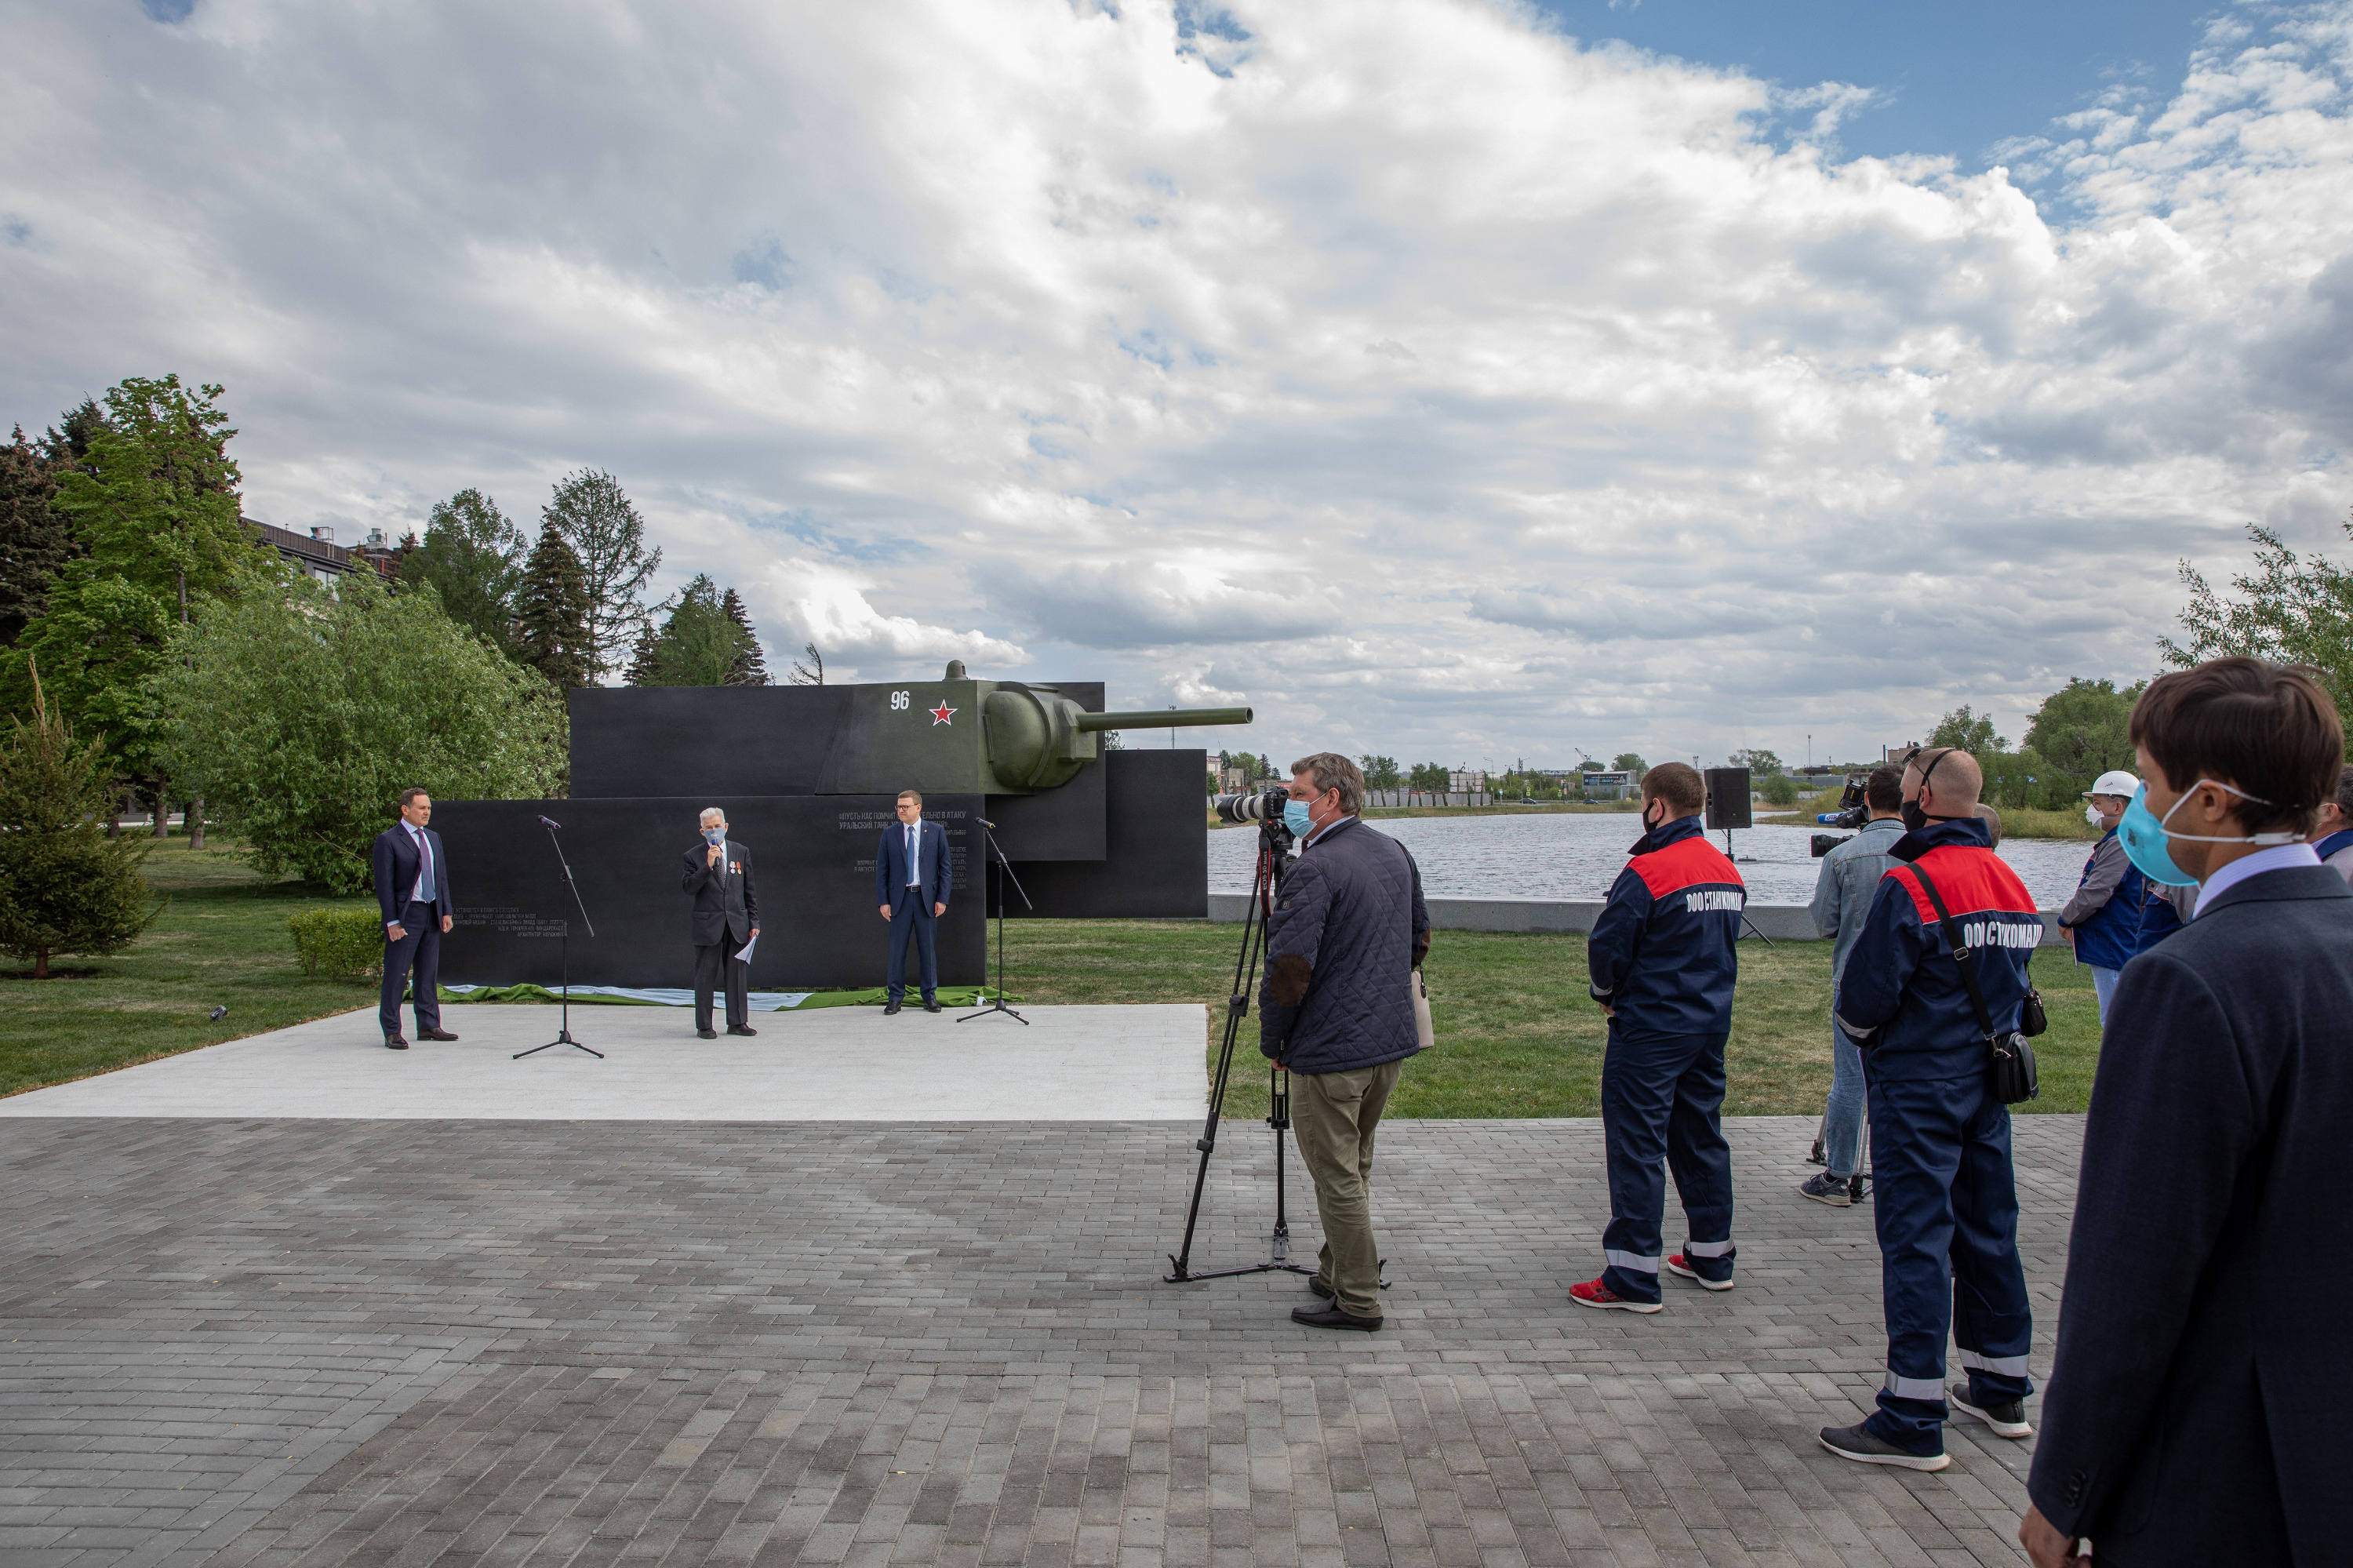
x: 412, y: 889
x: 912, y: 875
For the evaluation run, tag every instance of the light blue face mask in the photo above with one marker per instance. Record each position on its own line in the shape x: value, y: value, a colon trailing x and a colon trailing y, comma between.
x: 714, y: 836
x: 2144, y: 835
x: 1295, y: 818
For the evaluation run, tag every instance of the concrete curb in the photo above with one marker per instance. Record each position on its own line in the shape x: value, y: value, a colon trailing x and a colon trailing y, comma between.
x: 1780, y: 922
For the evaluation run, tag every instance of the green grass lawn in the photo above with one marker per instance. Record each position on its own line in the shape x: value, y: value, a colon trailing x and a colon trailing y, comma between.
x: 222, y: 940
x: 1516, y: 1034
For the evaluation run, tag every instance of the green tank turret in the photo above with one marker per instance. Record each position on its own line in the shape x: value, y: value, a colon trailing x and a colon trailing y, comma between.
x: 988, y: 737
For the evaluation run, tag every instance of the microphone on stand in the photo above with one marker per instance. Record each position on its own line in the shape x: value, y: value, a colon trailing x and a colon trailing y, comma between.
x: 545, y: 822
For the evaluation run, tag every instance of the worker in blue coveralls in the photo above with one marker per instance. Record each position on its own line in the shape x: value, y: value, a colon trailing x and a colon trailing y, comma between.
x: 1947, y: 1200
x: 1662, y: 961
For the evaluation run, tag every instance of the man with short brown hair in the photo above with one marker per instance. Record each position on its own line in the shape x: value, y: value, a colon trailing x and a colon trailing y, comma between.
x: 1663, y: 965
x: 914, y: 874
x: 2197, y: 1405
x: 412, y: 892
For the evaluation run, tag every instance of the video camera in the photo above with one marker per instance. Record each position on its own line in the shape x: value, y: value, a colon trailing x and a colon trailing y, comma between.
x: 1852, y: 813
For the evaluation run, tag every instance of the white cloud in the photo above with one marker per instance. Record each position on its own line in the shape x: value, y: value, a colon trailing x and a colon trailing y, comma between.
x: 1404, y: 369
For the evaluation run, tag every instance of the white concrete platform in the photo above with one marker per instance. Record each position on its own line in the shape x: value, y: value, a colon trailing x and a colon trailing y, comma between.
x: 835, y: 1063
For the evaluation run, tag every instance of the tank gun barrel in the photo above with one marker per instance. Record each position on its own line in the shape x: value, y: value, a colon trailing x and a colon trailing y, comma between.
x: 1163, y: 718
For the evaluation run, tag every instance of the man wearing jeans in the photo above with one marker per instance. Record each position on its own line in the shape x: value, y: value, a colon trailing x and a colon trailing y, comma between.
x: 1842, y: 895
x: 1336, y: 1011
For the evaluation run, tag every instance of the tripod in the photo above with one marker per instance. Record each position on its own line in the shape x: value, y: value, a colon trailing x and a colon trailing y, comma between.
x: 1004, y: 875
x: 1273, y: 859
x: 563, y: 1031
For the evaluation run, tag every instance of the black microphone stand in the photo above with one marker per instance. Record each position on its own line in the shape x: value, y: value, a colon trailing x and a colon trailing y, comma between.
x: 1004, y: 874
x: 563, y: 1031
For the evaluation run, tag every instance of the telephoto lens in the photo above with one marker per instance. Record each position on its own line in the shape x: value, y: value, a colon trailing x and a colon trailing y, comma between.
x: 1264, y: 806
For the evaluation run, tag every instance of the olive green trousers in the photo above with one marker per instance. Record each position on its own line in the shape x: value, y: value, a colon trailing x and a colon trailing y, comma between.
x: 1333, y: 1115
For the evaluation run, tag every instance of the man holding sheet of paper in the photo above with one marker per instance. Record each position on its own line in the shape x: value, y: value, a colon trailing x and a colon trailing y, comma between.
x: 726, y: 918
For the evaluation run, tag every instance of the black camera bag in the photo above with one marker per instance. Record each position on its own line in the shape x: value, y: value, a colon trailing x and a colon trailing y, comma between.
x: 2011, y: 1058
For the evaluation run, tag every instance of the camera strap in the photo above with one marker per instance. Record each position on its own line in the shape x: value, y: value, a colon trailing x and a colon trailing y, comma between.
x: 1961, y: 954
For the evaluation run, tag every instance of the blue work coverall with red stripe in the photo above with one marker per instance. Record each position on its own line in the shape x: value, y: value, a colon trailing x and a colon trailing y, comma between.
x: 1661, y: 957
x: 1945, y: 1197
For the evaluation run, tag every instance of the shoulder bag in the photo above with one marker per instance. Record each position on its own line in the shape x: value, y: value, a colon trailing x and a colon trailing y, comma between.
x: 1424, y: 1034
x: 2012, y: 1059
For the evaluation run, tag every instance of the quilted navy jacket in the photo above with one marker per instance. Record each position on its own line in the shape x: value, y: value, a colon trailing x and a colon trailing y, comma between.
x: 1342, y: 943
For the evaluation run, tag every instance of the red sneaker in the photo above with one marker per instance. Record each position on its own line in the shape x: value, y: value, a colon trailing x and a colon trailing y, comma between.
x: 1678, y: 1263
x: 1593, y: 1293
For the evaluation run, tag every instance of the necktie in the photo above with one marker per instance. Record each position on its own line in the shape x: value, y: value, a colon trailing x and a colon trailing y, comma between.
x: 424, y: 888
x: 914, y: 875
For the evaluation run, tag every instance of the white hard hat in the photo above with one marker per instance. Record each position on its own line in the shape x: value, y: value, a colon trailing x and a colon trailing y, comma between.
x: 2114, y: 781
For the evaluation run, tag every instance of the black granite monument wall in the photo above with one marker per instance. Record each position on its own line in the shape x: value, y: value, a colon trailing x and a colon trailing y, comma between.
x: 1158, y: 862
x: 813, y: 869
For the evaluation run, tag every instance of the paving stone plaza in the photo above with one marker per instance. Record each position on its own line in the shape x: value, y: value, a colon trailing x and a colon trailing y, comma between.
x: 311, y: 1340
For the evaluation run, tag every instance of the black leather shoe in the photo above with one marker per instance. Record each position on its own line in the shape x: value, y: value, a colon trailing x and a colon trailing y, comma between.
x: 1332, y: 1318
x: 889, y: 1008
x: 740, y: 1029
x: 435, y: 1034
x: 706, y: 1035
x: 1315, y: 1282
x: 931, y: 1004
x: 395, y: 1043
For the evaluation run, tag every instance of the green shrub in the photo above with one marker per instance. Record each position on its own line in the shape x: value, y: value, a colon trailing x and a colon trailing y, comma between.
x: 1778, y: 790
x: 346, y: 944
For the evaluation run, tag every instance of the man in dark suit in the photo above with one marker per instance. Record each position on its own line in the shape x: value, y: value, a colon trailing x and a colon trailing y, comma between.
x: 412, y: 890
x: 726, y: 917
x: 2196, y: 1412
x: 912, y: 877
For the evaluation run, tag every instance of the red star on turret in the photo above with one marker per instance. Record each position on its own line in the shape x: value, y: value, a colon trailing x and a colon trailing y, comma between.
x: 943, y: 714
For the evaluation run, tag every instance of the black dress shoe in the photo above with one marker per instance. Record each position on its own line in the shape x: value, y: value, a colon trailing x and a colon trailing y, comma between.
x: 395, y: 1043
x: 706, y: 1035
x: 740, y: 1029
x: 931, y: 1004
x: 435, y: 1034
x: 1316, y: 1284
x: 889, y: 1008
x: 1332, y: 1318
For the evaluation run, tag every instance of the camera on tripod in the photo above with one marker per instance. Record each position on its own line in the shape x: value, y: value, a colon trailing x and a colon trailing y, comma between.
x: 1261, y: 806
x: 1852, y: 813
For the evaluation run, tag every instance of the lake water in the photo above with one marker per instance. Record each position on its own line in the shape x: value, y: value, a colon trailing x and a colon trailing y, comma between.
x: 1570, y: 855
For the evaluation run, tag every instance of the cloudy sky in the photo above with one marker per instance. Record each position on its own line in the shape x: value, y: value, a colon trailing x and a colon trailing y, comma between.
x: 1457, y: 379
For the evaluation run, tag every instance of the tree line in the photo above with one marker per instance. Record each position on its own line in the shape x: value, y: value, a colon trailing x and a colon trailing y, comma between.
x: 153, y: 647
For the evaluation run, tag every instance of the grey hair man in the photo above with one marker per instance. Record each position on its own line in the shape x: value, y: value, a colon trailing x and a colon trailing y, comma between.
x: 1336, y: 1013
x: 718, y: 877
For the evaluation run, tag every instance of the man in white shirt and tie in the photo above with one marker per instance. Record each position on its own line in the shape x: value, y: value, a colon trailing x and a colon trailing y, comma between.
x: 912, y: 875
x: 412, y: 890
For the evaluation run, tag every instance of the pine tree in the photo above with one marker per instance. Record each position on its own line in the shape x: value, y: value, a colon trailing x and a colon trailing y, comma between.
x: 751, y: 666
x: 645, y: 660
x: 36, y: 538
x: 552, y: 630
x: 65, y: 887
x: 608, y: 539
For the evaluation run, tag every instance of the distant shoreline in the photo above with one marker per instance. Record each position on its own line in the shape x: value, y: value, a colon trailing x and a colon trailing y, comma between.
x: 2017, y: 822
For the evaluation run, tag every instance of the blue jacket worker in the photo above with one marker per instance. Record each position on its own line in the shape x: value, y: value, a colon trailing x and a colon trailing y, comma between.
x: 1663, y: 962
x: 914, y: 874
x: 1336, y: 1011
x: 2102, y: 922
x: 1944, y: 1199
x: 1843, y: 891
x: 412, y: 893
x: 2198, y: 1398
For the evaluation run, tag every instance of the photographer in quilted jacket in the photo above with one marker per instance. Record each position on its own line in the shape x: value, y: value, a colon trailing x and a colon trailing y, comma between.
x: 1336, y: 1011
